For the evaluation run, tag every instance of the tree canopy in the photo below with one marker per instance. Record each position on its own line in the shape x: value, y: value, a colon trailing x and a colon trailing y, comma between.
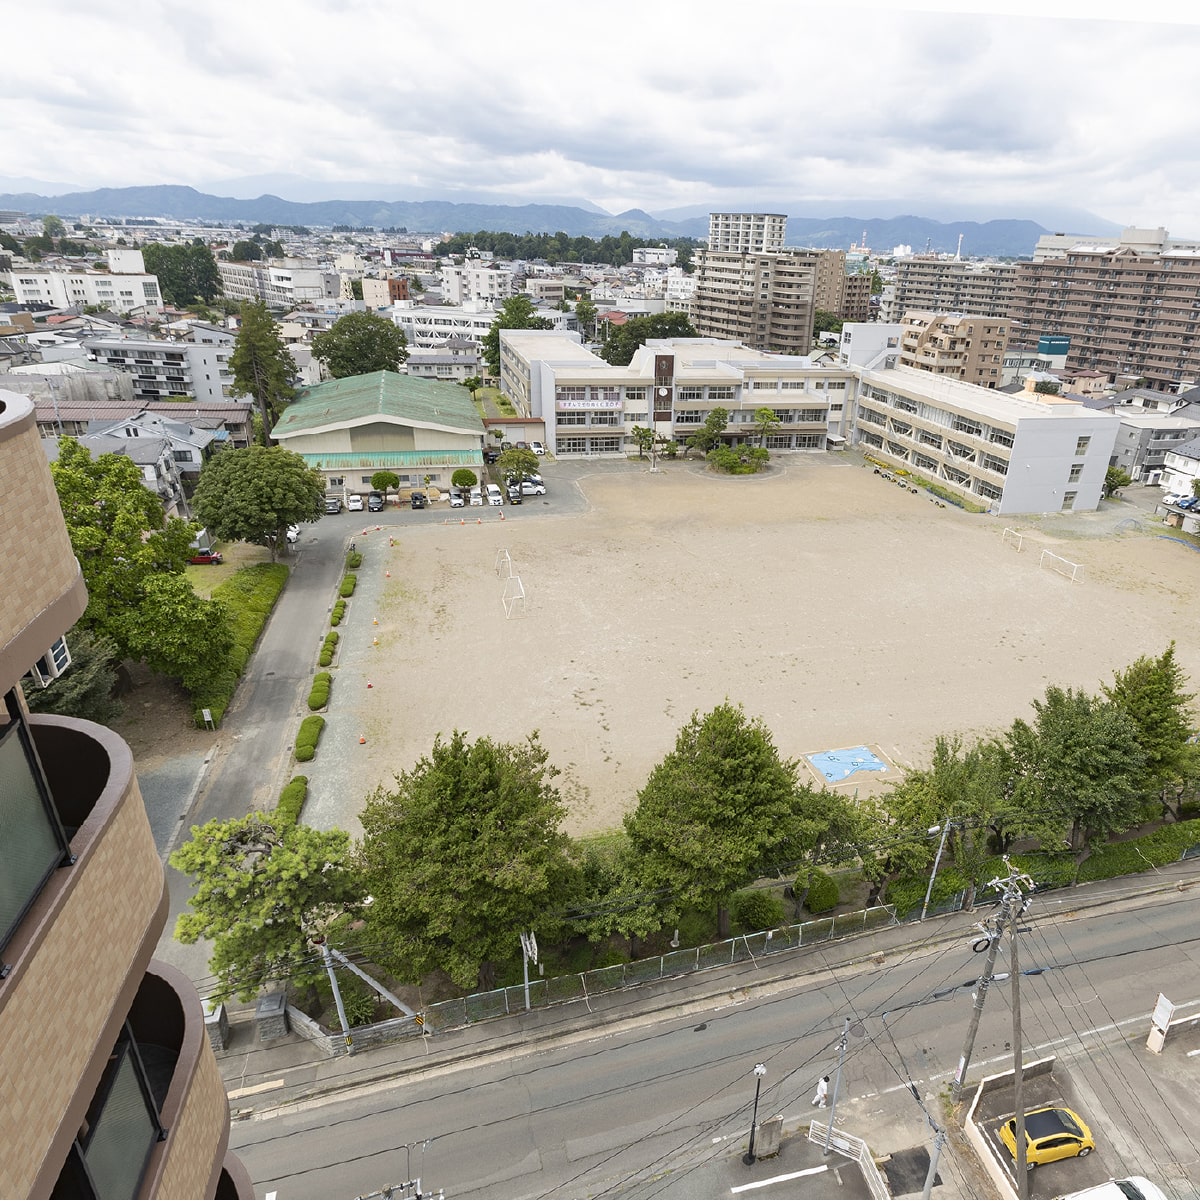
x: 463, y: 854
x: 711, y: 811
x: 186, y: 273
x: 264, y: 889
x: 623, y: 340
x: 709, y: 434
x: 517, y: 312
x: 262, y: 366
x: 518, y: 462
x: 360, y: 344
x: 132, y: 559
x: 253, y: 493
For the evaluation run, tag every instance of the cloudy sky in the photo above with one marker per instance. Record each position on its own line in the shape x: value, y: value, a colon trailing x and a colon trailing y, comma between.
x: 1008, y: 108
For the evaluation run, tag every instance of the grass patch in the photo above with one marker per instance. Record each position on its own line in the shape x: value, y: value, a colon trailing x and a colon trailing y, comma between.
x: 248, y: 595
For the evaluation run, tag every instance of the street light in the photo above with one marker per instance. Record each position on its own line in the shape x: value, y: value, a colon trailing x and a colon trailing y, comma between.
x: 760, y: 1070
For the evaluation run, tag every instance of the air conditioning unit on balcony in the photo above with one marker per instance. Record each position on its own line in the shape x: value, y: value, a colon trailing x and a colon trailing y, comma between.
x: 52, y: 664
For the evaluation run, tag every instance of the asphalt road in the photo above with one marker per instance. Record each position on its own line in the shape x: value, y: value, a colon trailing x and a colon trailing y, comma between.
x: 662, y: 1108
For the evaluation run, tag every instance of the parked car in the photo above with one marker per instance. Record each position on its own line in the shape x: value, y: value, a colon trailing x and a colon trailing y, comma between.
x: 1189, y: 503
x: 458, y: 498
x: 533, y: 488
x: 537, y: 448
x: 333, y: 504
x: 493, y: 494
x: 293, y: 534
x: 418, y: 500
x: 514, y: 496
x: 490, y: 455
x: 376, y: 502
x: 477, y: 495
x: 205, y: 555
x: 1173, y: 498
x: 1052, y: 1133
x: 354, y: 504
x: 533, y: 477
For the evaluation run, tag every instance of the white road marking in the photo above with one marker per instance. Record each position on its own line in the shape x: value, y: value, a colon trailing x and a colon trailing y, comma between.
x: 741, y: 1188
x: 265, y: 1087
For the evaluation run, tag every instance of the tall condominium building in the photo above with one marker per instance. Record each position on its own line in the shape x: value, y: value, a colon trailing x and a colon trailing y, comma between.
x: 746, y: 233
x: 108, y: 1084
x: 1130, y: 306
x: 765, y: 300
x: 280, y: 285
x: 931, y: 284
x: 160, y: 369
x: 966, y: 348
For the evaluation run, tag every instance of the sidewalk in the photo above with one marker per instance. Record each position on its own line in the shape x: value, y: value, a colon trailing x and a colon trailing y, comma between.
x: 291, y: 1071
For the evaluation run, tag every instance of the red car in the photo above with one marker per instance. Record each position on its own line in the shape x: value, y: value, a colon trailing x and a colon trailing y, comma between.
x: 205, y: 555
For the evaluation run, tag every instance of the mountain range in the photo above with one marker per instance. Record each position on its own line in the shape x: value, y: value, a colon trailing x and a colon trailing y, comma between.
x: 1004, y: 238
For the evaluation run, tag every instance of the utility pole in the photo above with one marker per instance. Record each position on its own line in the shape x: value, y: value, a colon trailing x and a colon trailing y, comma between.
x: 837, y: 1084
x: 1011, y: 893
x: 1018, y: 1050
x: 936, y: 860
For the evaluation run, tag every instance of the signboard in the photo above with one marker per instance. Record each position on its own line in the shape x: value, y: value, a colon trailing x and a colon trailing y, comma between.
x: 588, y: 404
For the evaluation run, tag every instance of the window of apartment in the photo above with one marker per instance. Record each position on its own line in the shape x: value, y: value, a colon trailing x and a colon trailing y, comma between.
x: 635, y: 393
x: 1069, y: 500
x: 1081, y: 446
x: 1076, y: 473
x: 691, y: 393
x: 336, y: 481
x: 721, y: 393
x: 689, y: 416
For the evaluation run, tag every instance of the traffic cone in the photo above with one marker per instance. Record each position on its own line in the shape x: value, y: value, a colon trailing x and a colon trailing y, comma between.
x: 479, y: 521
x: 374, y: 642
x: 370, y: 685
x: 502, y: 516
x: 366, y: 531
x: 376, y: 621
x: 388, y: 574
x: 378, y: 528
x: 361, y: 739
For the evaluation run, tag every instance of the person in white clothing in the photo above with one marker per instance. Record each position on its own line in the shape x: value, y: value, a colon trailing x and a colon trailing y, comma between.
x: 822, y: 1092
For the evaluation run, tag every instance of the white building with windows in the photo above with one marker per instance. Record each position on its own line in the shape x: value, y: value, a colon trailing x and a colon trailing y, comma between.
x: 478, y: 282
x: 159, y: 369
x: 280, y: 285
x: 124, y: 288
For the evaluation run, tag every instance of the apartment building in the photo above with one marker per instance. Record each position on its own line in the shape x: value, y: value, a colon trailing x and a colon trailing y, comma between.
x: 380, y: 293
x: 746, y: 233
x: 1130, y: 306
x: 766, y: 300
x: 280, y: 285
x: 108, y: 1084
x: 1023, y: 453
x: 125, y: 288
x: 951, y: 344
x: 927, y: 283
x: 590, y: 407
x: 427, y: 326
x: 1145, y: 439
x: 160, y: 369
x: 477, y: 282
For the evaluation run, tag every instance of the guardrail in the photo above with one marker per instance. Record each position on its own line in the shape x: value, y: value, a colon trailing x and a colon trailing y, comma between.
x: 852, y: 1148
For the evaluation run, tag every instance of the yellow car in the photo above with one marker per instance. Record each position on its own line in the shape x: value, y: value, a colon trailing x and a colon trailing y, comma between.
x: 1050, y: 1134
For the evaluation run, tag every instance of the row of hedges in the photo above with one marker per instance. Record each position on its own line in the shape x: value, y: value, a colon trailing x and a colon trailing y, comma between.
x: 291, y: 800
x: 308, y: 737
x: 248, y: 595
x: 349, y: 583
x: 354, y: 559
x: 339, y: 611
x: 318, y: 695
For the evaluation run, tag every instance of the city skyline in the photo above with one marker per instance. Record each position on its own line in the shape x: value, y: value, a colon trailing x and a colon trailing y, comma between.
x: 1016, y: 110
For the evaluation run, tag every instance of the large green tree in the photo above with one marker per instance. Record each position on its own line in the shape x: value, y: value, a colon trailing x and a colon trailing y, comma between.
x: 360, y: 344
x: 133, y: 560
x: 1076, y: 771
x: 186, y: 273
x: 708, y: 436
x: 87, y: 688
x: 518, y: 462
x: 517, y: 312
x: 766, y: 423
x: 262, y: 366
x: 623, y: 340
x: 710, y: 815
x: 463, y: 854
x: 264, y: 888
x: 254, y: 493
x: 1152, y: 694
x: 585, y: 316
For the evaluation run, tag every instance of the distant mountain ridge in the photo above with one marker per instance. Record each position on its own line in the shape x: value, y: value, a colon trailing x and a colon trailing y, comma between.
x: 1007, y: 238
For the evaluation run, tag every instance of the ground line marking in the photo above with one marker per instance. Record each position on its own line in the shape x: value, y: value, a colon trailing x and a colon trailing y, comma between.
x: 741, y: 1188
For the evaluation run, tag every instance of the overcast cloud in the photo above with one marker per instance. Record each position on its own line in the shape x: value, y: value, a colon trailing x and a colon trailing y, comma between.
x: 624, y: 104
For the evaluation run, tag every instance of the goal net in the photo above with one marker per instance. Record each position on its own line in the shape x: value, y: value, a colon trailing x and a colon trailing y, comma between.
x: 1073, y: 571
x: 514, y: 597
x: 504, y: 567
x: 1013, y: 538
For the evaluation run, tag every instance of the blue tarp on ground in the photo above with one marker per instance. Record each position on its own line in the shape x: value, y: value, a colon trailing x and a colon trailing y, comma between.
x: 837, y: 765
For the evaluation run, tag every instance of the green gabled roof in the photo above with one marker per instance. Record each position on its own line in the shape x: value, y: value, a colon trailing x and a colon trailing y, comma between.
x: 400, y: 398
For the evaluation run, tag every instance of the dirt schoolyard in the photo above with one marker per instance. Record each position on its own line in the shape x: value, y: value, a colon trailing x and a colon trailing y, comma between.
x: 841, y: 609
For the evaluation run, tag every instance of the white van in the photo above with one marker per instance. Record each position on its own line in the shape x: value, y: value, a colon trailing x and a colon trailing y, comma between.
x: 494, y: 495
x: 1133, y: 1188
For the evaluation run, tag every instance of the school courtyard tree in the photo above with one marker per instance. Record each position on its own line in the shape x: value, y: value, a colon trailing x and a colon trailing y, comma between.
x: 262, y: 366
x: 254, y: 493
x: 464, y: 477
x: 517, y: 312
x: 461, y: 855
x: 264, y: 888
x: 361, y: 344
x: 623, y: 340
x: 518, y: 462
x: 708, y: 436
x: 710, y: 815
x: 766, y: 423
x: 385, y: 482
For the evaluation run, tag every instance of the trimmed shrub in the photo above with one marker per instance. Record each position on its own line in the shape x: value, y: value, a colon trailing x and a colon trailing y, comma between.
x: 339, y: 611
x: 822, y: 893
x: 757, y: 909
x: 328, y: 647
x: 318, y: 695
x: 354, y: 560
x: 248, y: 595
x: 308, y: 736
x: 291, y: 799
x: 349, y: 583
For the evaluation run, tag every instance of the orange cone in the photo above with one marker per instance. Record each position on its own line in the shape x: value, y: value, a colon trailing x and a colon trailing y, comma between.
x: 370, y: 685
x: 366, y: 531
x: 388, y: 574
x: 479, y: 521
x: 376, y: 621
x: 361, y: 739
x: 378, y: 528
x: 501, y: 516
x: 374, y: 642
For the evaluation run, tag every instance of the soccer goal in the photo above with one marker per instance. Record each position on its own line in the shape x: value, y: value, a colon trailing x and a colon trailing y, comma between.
x: 1073, y: 571
x: 514, y: 597
x: 504, y: 567
x: 1013, y: 538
